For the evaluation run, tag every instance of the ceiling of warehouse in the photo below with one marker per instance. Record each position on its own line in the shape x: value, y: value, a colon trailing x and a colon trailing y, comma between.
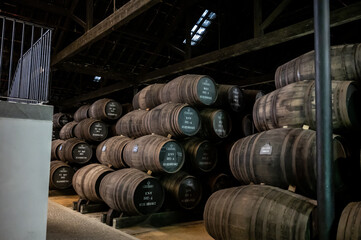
x: 129, y: 44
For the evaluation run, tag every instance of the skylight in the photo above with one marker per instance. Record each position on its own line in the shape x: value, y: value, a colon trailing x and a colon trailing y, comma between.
x: 200, y: 28
x: 97, y: 79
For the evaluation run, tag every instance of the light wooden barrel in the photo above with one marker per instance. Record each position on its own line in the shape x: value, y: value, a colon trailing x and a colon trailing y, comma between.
x: 148, y: 97
x: 349, y: 225
x: 75, y: 150
x: 155, y: 153
x: 132, y: 192
x: 91, y: 130
x: 132, y: 124
x: 282, y: 157
x: 259, y: 212
x: 345, y: 65
x: 55, y: 144
x: 61, y: 175
x: 110, y: 151
x: 176, y: 119
x: 216, y: 123
x: 230, y: 97
x: 86, y: 181
x: 294, y: 106
x: 67, y: 131
x: 82, y: 112
x: 60, y: 119
x: 105, y: 109
x: 199, y: 90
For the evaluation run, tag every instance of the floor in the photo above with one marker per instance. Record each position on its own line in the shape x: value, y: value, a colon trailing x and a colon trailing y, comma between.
x: 66, y: 223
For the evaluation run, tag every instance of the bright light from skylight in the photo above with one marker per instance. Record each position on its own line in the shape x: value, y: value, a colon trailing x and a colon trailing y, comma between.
x: 97, y: 79
x: 200, y: 28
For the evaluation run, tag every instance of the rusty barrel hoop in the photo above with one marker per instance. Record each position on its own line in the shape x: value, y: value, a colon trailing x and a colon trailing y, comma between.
x: 61, y: 175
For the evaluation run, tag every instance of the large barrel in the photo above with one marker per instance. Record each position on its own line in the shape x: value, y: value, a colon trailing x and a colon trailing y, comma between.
x: 55, y: 144
x: 67, y: 131
x: 176, y: 119
x: 216, y: 123
x: 55, y: 133
x: 110, y: 151
x: 184, y: 188
x: 61, y: 175
x: 60, y: 119
x: 91, y: 130
x: 260, y: 212
x: 345, y: 65
x: 248, y: 127
x: 81, y: 113
x: 219, y: 180
x: 201, y: 154
x: 199, y: 90
x: 294, y: 106
x: 349, y: 225
x: 132, y: 124
x: 230, y: 97
x: 155, y: 153
x: 148, y: 97
x: 282, y: 157
x: 105, y: 110
x: 75, y: 150
x: 86, y: 181
x: 132, y: 191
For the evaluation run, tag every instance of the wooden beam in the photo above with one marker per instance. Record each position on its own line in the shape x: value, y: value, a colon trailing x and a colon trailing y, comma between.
x: 275, y: 14
x: 338, y: 17
x: 89, y: 14
x: 123, y: 15
x: 257, y: 18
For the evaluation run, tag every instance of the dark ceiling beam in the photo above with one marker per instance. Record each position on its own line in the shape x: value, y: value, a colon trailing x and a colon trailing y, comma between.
x: 122, y: 16
x: 257, y: 18
x: 298, y: 30
x: 89, y: 14
x: 279, y: 9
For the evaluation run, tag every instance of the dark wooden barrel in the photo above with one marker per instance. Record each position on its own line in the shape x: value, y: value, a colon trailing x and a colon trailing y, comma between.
x: 55, y: 133
x: 282, y: 157
x: 345, y: 65
x: 127, y: 107
x: 155, y: 153
x: 67, y: 131
x: 230, y: 97
x: 294, y: 106
x: 75, y: 150
x: 248, y: 127
x: 132, y: 124
x: 201, y: 154
x: 216, y: 123
x: 184, y: 188
x: 349, y: 225
x: 110, y: 151
x: 60, y: 119
x: 132, y: 192
x: 105, y: 110
x: 148, y: 97
x: 199, y: 90
x: 260, y: 212
x: 218, y: 181
x: 176, y: 119
x: 91, y: 130
x: 86, y: 181
x: 61, y: 175
x: 55, y: 144
x: 81, y: 113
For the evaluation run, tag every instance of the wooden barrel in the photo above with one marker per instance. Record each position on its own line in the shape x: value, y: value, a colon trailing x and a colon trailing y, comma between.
x: 248, y: 127
x: 110, y: 151
x: 349, y: 225
x: 294, y: 106
x: 345, y: 65
x: 55, y: 134
x: 260, y: 212
x: 199, y: 90
x: 61, y: 175
x: 282, y: 157
x: 132, y: 192
x: 75, y: 150
x: 155, y: 153
x: 230, y: 97
x: 86, y: 181
x: 60, y: 119
x: 91, y: 130
x: 184, y: 188
x: 55, y: 144
x: 201, y: 154
x: 105, y: 110
x: 81, y: 113
x: 216, y: 123
x: 67, y: 131
x: 148, y: 97
x: 176, y: 119
x: 218, y: 181
x: 132, y: 124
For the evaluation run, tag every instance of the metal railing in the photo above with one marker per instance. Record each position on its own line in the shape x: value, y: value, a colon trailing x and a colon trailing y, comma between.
x: 29, y: 80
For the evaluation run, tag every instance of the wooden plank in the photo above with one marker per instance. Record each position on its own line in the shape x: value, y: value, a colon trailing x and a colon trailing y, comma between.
x: 275, y: 14
x: 89, y: 14
x: 123, y: 15
x: 257, y: 18
x: 338, y: 17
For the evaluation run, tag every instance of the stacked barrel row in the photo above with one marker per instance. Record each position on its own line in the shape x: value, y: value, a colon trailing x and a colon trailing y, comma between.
x: 282, y: 155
